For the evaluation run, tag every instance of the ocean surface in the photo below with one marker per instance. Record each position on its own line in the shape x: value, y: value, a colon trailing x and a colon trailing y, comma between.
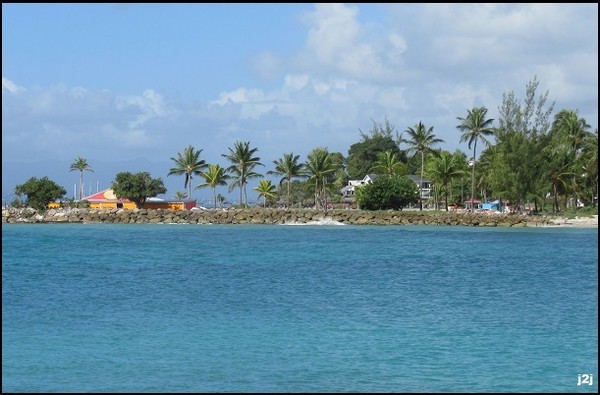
x: 313, y: 308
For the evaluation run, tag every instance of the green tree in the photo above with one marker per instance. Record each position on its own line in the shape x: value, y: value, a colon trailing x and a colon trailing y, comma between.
x: 558, y: 172
x: 288, y: 167
x: 242, y: 166
x: 421, y: 141
x: 387, y: 193
x: 40, y: 192
x: 137, y: 187
x: 188, y: 164
x: 213, y: 177
x: 520, y: 139
x: 590, y: 160
x: 442, y: 169
x: 81, y: 165
x: 221, y: 200
x: 363, y: 155
x: 319, y: 167
x: 531, y: 117
x: 572, y: 131
x: 389, y: 164
x: 475, y: 127
x: 266, y: 190
x: 180, y: 195
x: 458, y: 188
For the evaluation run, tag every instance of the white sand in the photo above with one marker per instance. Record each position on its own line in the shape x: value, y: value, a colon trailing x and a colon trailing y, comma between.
x: 583, y: 222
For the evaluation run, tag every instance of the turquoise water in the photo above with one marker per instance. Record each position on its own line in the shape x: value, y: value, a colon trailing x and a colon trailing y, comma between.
x: 243, y: 308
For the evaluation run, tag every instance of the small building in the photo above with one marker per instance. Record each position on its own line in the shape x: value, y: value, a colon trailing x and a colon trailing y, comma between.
x: 107, y: 200
x: 424, y: 185
x: 472, y: 204
x: 491, y: 206
x: 349, y: 190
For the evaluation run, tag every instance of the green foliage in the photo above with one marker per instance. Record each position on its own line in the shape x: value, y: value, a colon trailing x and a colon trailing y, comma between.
x: 421, y: 141
x: 287, y: 168
x: 137, y: 187
x: 580, y: 212
x: 80, y: 164
x: 266, y: 190
x: 388, y: 163
x: 188, y: 164
x: 475, y: 127
x: 72, y: 203
x: 442, y: 169
x: 321, y: 167
x: 40, y: 192
x: 363, y: 155
x: 387, y: 192
x: 213, y: 177
x: 242, y: 167
x: 17, y: 203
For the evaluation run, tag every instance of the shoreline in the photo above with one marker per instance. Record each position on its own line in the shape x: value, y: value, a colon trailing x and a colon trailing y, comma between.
x: 291, y: 216
x: 577, y: 222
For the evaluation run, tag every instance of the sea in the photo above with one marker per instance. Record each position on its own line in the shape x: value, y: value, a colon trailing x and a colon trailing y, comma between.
x: 322, y: 307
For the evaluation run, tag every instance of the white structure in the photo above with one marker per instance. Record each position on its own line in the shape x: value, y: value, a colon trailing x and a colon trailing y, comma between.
x: 349, y: 190
x: 426, y: 189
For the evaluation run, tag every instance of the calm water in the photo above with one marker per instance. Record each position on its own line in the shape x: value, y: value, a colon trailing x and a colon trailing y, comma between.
x: 217, y: 308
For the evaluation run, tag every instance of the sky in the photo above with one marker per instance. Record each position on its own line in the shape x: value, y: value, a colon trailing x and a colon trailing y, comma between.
x: 129, y: 86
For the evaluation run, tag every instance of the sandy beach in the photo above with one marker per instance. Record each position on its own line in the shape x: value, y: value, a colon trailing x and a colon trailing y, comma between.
x: 577, y: 222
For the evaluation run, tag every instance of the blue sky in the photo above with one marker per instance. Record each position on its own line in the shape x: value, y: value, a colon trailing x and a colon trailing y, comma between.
x: 134, y: 84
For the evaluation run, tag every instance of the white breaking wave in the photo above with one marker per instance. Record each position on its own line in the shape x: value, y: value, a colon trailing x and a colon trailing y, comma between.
x: 324, y: 221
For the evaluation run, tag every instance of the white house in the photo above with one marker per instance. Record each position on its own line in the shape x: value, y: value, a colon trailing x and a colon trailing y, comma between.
x: 348, y: 191
x: 427, y: 184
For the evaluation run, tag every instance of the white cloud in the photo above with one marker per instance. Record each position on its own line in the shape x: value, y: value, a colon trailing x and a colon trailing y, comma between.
x: 8, y: 85
x: 241, y: 95
x: 150, y: 104
x: 338, y: 43
x: 267, y: 65
x: 295, y: 82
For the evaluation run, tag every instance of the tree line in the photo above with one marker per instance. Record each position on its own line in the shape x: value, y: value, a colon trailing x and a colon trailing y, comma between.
x: 529, y: 157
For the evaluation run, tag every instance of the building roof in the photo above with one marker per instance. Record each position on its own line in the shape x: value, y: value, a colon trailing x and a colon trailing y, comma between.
x: 107, y: 195
x: 416, y: 178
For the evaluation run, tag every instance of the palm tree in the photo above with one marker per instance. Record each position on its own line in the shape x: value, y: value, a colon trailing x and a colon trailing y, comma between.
x: 242, y: 164
x: 319, y: 167
x: 590, y: 152
x: 179, y: 195
x: 189, y: 164
x: 265, y: 189
x: 442, y: 169
x: 475, y: 127
x: 214, y: 176
x: 80, y: 165
x: 221, y: 200
x: 421, y: 141
x: 288, y: 168
x: 573, y: 131
x: 388, y: 163
x: 558, y: 172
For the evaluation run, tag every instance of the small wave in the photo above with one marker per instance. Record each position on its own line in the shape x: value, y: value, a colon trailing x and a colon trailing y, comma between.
x: 324, y: 221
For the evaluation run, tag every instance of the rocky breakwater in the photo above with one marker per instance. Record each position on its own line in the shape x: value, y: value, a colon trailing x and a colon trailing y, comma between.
x: 269, y: 216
